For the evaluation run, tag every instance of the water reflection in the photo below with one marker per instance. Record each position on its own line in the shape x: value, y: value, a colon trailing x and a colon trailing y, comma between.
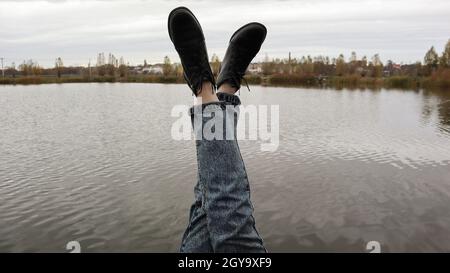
x: 440, y: 101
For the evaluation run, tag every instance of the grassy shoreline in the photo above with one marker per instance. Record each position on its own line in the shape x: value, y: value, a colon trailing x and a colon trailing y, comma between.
x: 338, y: 82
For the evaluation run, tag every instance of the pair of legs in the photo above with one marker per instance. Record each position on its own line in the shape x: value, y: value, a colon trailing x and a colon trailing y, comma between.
x: 221, y: 217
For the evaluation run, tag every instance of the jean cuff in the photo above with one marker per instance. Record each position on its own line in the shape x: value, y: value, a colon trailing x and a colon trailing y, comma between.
x: 228, y: 98
x: 207, y: 107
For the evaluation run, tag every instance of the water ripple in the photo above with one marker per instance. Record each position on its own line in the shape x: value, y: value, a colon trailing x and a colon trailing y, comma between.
x: 95, y: 163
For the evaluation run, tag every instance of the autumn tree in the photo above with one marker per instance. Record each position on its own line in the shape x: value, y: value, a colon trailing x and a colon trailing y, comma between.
x: 377, y: 66
x: 364, y: 61
x: 431, y: 58
x: 167, y: 66
x: 23, y: 68
x: 36, y: 69
x: 340, y: 65
x: 111, y: 70
x: 319, y: 65
x: 308, y: 65
x: 267, y: 66
x: 445, y: 59
x: 215, y: 64
x: 353, y: 63
x: 29, y: 68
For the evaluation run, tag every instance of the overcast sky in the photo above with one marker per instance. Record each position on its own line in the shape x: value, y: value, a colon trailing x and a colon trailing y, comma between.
x: 77, y: 30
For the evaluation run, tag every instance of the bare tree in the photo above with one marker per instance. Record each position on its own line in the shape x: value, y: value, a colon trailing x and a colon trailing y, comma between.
x: 59, y: 66
x: 123, y: 70
x: 167, y: 66
x: 101, y: 69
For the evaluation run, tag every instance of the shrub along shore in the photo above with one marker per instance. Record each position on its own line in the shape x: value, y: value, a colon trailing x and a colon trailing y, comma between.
x: 338, y: 82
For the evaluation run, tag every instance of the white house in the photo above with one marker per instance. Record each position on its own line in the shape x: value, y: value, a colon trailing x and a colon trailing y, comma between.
x: 255, y: 68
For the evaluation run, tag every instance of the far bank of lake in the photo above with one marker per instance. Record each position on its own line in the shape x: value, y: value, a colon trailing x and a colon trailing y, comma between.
x: 337, y: 82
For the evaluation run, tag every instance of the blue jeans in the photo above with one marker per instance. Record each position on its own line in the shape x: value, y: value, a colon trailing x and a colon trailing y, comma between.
x: 221, y: 217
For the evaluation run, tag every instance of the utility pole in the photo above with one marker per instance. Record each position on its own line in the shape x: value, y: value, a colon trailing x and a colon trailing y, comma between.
x: 290, y: 66
x: 3, y: 71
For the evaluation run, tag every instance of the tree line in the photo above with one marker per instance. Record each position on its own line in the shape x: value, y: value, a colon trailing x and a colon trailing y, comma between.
x: 304, y: 70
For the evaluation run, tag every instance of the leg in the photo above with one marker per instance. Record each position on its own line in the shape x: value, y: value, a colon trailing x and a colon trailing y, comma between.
x: 221, y: 168
x: 196, y: 236
x: 229, y: 211
x: 227, y: 88
x: 187, y: 36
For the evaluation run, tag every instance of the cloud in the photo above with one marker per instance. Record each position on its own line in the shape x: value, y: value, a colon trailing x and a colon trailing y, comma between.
x: 77, y: 30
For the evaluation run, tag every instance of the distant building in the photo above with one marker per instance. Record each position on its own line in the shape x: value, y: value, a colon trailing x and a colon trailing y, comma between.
x: 255, y: 68
x: 392, y: 69
x: 156, y: 69
x: 150, y: 69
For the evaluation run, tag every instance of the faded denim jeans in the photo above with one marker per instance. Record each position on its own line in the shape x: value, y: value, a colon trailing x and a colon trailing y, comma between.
x: 221, y: 217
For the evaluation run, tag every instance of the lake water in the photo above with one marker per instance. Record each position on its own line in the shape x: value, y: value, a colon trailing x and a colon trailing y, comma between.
x: 95, y: 163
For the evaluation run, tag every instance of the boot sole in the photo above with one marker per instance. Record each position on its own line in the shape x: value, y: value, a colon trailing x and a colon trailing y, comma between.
x: 252, y: 23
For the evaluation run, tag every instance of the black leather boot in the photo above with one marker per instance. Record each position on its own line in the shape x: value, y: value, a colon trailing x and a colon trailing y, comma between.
x: 244, y: 45
x: 187, y: 36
